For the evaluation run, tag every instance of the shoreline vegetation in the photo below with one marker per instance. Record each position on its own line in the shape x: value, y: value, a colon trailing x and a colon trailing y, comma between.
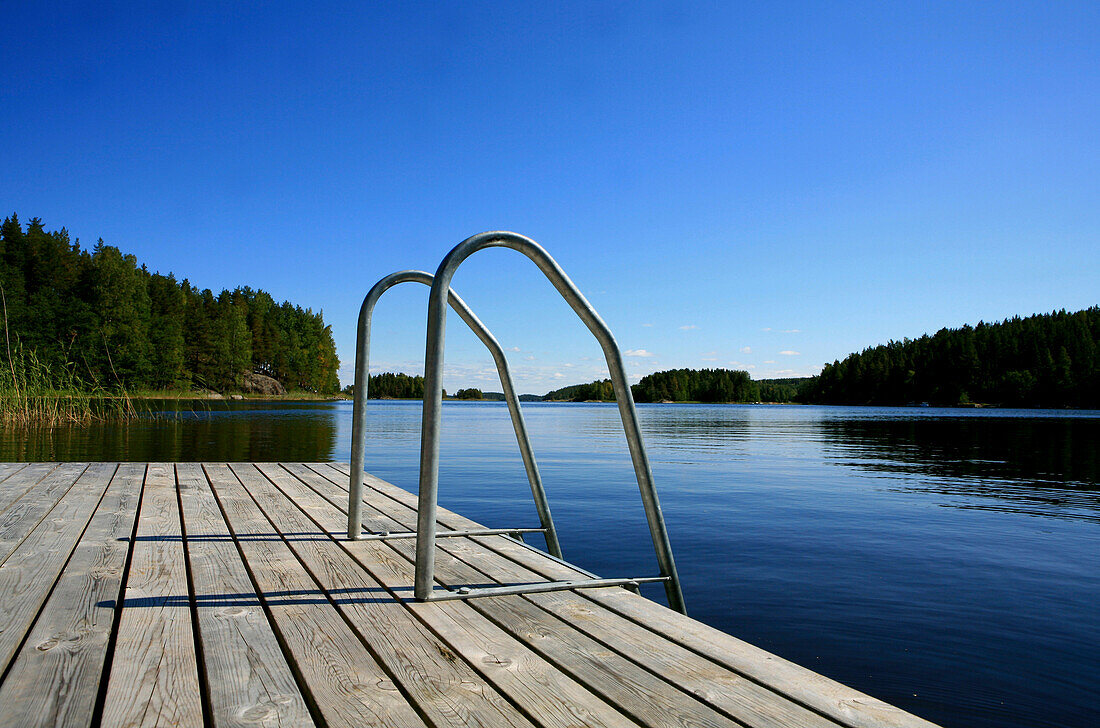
x: 1041, y: 361
x: 88, y: 333
x: 1044, y: 360
x: 92, y: 335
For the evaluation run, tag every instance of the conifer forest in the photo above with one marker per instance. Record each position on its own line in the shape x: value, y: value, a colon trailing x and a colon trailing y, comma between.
x: 102, y: 316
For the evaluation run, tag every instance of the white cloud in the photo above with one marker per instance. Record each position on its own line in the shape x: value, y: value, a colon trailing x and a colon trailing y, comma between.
x: 709, y: 353
x: 788, y: 352
x: 769, y: 361
x: 710, y: 358
x: 637, y: 352
x: 766, y: 328
x: 746, y: 349
x: 558, y: 375
x: 513, y: 348
x: 529, y: 357
x: 792, y: 331
x: 688, y: 327
x: 567, y: 365
x: 784, y: 371
x: 648, y: 326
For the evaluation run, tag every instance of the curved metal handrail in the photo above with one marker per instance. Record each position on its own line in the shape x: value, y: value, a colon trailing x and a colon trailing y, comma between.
x: 433, y: 399
x: 359, y: 407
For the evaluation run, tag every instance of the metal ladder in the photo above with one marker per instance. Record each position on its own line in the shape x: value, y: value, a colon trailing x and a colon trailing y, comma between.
x: 359, y: 417
x: 426, y: 535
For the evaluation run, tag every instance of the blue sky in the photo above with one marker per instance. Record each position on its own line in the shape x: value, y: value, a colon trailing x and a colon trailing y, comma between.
x: 766, y: 186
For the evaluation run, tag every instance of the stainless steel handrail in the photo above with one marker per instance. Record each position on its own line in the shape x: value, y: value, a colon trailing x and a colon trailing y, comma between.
x: 433, y: 401
x: 359, y: 407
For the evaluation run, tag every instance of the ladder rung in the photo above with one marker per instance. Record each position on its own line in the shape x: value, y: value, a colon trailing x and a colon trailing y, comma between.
x: 470, y: 592
x: 385, y: 535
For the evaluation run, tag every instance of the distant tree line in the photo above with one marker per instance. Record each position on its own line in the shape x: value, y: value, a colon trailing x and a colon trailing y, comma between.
x: 686, y: 385
x: 1045, y: 360
x: 391, y: 385
x: 118, y: 325
x: 598, y: 391
x: 781, y: 390
x: 697, y: 385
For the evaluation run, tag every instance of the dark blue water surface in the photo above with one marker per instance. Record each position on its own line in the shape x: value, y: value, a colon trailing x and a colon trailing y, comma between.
x: 946, y: 561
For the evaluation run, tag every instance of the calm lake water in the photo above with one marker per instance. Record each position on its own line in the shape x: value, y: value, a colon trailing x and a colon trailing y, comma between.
x: 946, y: 561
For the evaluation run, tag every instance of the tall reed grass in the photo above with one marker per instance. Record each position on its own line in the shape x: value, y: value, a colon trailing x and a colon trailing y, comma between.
x: 33, y: 393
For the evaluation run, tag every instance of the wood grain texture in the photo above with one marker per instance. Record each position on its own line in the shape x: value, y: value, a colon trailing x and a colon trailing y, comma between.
x: 797, y: 684
x: 532, y: 682
x: 23, y: 515
x: 446, y: 691
x: 247, y: 676
x: 840, y: 702
x: 715, y: 684
x: 18, y: 483
x: 345, y: 683
x: 711, y: 683
x: 643, y: 695
x: 55, y: 679
x: 154, y: 677
x: 835, y: 700
x: 9, y: 469
x: 11, y: 488
x: 296, y: 625
x: 631, y: 666
x: 28, y: 575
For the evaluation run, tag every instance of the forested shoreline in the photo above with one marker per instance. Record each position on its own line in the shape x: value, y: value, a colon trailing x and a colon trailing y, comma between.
x: 1044, y: 360
x: 108, y: 323
x: 708, y: 385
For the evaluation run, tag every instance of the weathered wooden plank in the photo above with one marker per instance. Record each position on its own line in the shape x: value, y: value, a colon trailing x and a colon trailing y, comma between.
x: 840, y: 702
x: 345, y: 683
x: 24, y: 514
x: 835, y: 700
x: 707, y: 681
x: 9, y: 469
x: 552, y: 697
x: 641, y: 694
x: 154, y: 677
x: 247, y: 676
x: 618, y: 674
x: 18, y: 479
x: 589, y: 657
x: 446, y: 691
x: 28, y: 575
x: 725, y: 690
x: 54, y: 681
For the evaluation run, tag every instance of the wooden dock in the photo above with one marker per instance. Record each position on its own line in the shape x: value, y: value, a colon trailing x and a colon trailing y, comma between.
x: 219, y: 594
